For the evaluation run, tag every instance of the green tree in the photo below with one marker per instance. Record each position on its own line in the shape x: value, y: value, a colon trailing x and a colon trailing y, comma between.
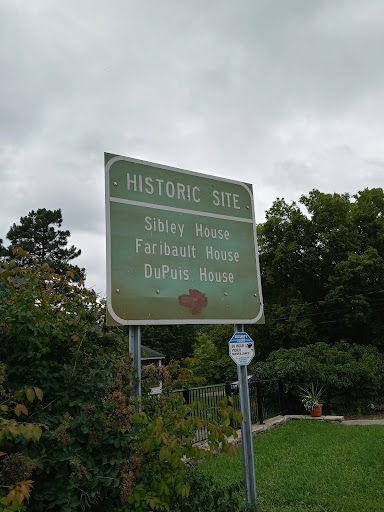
x: 2, y: 249
x: 356, y: 297
x: 307, y: 261
x: 174, y: 341
x: 206, y: 353
x: 286, y: 326
x: 211, y: 349
x: 39, y: 235
x: 368, y: 217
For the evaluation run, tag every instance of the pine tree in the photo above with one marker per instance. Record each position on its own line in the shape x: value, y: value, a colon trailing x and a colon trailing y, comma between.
x: 3, y: 250
x: 38, y: 233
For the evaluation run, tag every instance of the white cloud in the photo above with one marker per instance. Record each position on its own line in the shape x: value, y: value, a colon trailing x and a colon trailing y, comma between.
x: 284, y: 95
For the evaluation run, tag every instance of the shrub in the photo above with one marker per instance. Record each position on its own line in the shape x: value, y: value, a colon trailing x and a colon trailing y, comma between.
x: 53, y: 334
x: 205, y: 495
x: 353, y: 376
x: 16, y: 468
x: 99, y: 452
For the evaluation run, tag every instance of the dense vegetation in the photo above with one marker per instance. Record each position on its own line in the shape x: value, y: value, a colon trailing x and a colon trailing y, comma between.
x: 352, y: 375
x: 323, y: 273
x: 69, y: 426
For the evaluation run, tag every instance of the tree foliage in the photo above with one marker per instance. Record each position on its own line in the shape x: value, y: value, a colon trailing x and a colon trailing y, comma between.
x: 174, y: 341
x: 98, y: 452
x: 322, y: 272
x: 211, y: 350
x: 39, y: 235
x: 3, y: 250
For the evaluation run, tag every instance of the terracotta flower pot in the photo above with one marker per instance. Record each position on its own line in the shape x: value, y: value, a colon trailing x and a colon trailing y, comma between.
x: 316, y: 411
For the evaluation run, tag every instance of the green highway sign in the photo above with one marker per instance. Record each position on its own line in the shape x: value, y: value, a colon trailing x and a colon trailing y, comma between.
x: 181, y: 247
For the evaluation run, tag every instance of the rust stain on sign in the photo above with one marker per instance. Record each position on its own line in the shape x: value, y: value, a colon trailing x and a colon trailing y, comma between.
x: 195, y: 300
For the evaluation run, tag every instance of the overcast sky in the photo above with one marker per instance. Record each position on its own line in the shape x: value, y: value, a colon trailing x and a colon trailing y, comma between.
x: 285, y: 94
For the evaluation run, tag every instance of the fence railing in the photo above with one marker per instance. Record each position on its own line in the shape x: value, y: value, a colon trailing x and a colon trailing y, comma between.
x: 266, y: 400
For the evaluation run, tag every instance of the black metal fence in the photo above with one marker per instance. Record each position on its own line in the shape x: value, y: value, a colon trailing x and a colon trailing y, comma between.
x: 266, y: 400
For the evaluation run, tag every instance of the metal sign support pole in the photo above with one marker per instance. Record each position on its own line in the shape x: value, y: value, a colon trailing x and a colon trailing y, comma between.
x: 135, y: 350
x: 246, y: 433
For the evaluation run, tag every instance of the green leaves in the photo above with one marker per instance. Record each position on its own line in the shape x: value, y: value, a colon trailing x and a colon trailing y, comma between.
x: 30, y: 394
x: 237, y: 416
x: 39, y: 393
x: 202, y: 494
x: 32, y: 432
x: 321, y: 278
x: 11, y: 428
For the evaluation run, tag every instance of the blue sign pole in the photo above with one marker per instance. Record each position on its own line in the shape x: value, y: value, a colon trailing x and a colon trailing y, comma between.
x: 246, y: 434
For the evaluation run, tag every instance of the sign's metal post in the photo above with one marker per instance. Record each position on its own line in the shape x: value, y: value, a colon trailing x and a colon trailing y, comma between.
x: 246, y: 433
x: 135, y: 350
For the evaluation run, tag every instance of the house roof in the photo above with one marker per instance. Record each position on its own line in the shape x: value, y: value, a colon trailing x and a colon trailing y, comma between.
x: 149, y: 353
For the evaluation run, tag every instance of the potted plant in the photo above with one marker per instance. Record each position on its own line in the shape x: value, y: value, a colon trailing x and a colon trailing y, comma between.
x: 311, y: 399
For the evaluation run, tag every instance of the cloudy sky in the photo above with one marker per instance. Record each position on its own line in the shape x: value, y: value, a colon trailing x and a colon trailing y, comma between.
x: 285, y: 94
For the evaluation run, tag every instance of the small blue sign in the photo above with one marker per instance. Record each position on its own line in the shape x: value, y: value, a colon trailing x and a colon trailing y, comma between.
x: 241, y: 348
x: 241, y: 337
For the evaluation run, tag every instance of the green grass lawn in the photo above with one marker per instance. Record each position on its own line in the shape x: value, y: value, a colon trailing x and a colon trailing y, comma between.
x: 308, y: 466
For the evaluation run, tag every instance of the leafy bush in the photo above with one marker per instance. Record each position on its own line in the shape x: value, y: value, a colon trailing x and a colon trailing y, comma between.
x: 167, y: 431
x: 353, y: 376
x: 205, y: 495
x: 53, y: 334
x: 15, y: 468
x: 99, y: 452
